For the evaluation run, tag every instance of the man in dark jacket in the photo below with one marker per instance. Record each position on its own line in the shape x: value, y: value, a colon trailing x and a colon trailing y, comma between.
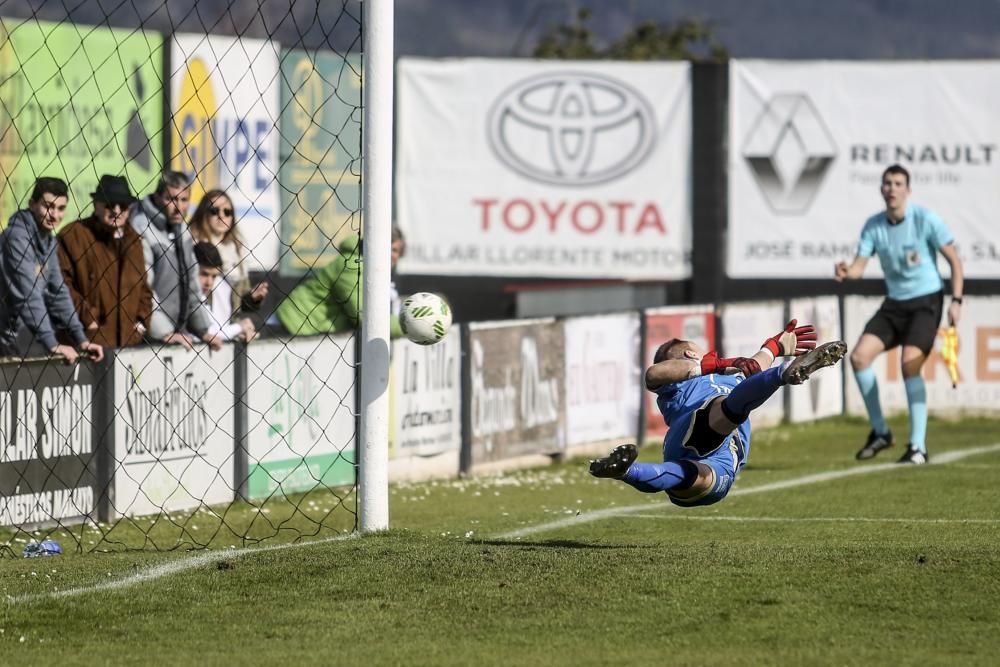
x: 103, y: 266
x: 34, y: 300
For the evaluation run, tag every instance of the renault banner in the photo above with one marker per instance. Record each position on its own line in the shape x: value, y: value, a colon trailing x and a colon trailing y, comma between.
x: 528, y: 168
x: 809, y: 142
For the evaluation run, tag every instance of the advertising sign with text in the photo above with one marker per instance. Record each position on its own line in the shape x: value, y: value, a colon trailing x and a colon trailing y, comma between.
x: 174, y: 429
x: 809, y: 143
x: 823, y: 394
x: 532, y: 168
x: 516, y: 389
x: 978, y: 361
x: 745, y: 326
x: 225, y: 93
x: 47, y: 442
x: 603, y: 380
x: 300, y: 400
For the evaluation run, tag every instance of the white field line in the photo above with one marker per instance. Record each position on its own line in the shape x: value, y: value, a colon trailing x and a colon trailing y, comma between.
x: 817, y: 519
x: 170, y: 568
x: 185, y: 564
x: 598, y: 515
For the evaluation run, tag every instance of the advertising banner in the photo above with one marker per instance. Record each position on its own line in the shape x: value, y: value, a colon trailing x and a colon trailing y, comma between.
x: 532, y: 168
x: 174, y: 429
x: 823, y: 394
x: 301, y: 407
x: 745, y: 326
x: 48, y: 442
x: 603, y: 379
x: 978, y: 361
x: 809, y: 142
x: 516, y: 388
x: 426, y: 407
x: 78, y: 103
x: 320, y: 152
x: 694, y: 323
x: 224, y: 93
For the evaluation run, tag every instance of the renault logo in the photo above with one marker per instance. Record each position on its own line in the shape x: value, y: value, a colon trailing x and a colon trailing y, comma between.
x: 789, y: 151
x: 571, y: 128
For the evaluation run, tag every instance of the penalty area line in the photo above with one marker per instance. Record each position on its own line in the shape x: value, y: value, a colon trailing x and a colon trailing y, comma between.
x: 598, y: 515
x: 170, y: 568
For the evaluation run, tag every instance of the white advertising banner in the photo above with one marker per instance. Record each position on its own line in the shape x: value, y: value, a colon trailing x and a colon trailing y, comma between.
x: 544, y: 168
x: 603, y: 379
x: 978, y: 361
x: 426, y: 408
x: 301, y: 406
x: 225, y: 108
x: 174, y: 429
x: 744, y: 327
x: 809, y: 142
x: 823, y: 394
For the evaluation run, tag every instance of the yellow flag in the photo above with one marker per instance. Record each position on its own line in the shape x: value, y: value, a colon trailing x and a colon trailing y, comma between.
x: 949, y: 352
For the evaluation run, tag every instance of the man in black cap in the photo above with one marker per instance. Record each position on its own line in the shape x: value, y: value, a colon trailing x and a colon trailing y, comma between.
x: 103, y: 266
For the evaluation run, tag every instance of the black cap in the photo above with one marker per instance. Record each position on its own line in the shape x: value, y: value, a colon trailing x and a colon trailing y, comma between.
x: 113, y: 190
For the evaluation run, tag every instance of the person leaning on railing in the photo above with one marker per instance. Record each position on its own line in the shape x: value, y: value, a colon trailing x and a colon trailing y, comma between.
x: 34, y: 299
x: 103, y: 267
x: 330, y: 301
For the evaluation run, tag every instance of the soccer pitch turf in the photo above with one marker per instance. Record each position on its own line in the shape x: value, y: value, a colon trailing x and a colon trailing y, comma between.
x: 813, y: 559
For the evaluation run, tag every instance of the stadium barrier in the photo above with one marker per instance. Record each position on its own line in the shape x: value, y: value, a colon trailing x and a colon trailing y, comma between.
x: 156, y: 431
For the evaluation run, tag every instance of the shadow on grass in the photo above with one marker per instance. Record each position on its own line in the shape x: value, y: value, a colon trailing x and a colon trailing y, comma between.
x: 553, y: 544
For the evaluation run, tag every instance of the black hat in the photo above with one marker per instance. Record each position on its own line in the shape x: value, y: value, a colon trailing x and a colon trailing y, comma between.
x: 113, y: 190
x: 208, y: 255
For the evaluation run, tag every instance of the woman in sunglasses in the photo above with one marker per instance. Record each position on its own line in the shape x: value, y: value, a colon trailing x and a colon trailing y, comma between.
x: 214, y: 221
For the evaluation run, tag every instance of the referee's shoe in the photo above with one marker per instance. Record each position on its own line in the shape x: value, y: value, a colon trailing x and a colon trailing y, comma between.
x: 876, y: 443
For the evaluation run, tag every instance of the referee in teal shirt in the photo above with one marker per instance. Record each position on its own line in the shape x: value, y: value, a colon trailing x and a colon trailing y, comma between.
x: 906, y: 239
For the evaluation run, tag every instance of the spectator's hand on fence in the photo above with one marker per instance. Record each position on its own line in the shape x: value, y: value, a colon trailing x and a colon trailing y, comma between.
x: 214, y: 342
x: 66, y: 351
x: 178, y: 338
x: 259, y: 292
x: 791, y: 341
x: 249, y: 330
x: 92, y: 351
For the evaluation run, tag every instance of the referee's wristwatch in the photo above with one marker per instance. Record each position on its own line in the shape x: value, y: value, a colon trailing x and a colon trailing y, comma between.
x: 956, y: 299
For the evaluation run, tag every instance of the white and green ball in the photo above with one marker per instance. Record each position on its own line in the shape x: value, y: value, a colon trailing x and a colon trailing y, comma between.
x: 425, y: 318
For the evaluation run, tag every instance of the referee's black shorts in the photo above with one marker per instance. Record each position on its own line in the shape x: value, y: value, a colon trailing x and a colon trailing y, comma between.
x: 908, y: 322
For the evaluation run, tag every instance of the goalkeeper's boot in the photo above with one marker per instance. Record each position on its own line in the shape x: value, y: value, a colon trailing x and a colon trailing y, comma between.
x: 615, y: 464
x: 914, y: 456
x: 827, y: 354
x: 875, y: 443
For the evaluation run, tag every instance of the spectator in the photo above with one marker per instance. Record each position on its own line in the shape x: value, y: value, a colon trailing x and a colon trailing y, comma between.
x: 179, y: 317
x: 103, y: 267
x: 214, y: 221
x: 331, y: 300
x: 34, y: 300
x: 217, y: 295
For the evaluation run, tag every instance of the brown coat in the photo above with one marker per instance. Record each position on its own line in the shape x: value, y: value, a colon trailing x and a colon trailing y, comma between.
x: 107, y: 279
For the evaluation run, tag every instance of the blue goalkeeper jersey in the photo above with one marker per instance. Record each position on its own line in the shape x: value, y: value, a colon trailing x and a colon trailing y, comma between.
x: 907, y: 251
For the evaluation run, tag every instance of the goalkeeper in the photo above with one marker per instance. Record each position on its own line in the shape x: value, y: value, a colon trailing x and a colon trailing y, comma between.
x: 706, y: 402
x: 906, y: 239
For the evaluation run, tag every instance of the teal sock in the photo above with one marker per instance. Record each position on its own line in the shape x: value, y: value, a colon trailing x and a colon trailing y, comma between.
x: 868, y: 385
x: 916, y: 396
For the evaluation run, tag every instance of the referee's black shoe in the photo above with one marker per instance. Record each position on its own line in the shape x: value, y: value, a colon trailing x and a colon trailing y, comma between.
x: 914, y: 456
x: 876, y: 443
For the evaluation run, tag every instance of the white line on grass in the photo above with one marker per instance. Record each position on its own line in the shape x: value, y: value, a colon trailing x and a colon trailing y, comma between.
x: 597, y: 515
x: 814, y: 519
x: 169, y: 568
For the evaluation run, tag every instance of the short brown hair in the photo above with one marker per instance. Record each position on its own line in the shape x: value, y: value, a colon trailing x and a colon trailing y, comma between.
x: 672, y: 349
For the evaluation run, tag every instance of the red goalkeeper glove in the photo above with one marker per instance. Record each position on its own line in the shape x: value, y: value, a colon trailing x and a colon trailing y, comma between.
x: 791, y: 341
x: 711, y: 363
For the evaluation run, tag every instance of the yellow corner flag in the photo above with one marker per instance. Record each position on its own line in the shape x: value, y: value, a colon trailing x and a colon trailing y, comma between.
x: 949, y: 352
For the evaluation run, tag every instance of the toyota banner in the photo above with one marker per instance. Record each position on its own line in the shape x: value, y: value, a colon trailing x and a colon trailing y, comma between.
x: 809, y: 142
x: 547, y: 169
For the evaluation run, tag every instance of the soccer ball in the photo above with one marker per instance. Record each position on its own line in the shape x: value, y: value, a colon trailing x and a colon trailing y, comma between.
x: 425, y: 318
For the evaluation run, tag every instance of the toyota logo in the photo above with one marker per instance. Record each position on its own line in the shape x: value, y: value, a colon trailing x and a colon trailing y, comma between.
x: 571, y: 128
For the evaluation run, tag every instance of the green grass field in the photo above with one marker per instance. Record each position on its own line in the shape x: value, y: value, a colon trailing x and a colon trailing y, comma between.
x: 804, y: 563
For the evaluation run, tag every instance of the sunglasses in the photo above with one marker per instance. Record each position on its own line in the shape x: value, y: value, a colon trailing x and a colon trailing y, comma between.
x: 215, y: 210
